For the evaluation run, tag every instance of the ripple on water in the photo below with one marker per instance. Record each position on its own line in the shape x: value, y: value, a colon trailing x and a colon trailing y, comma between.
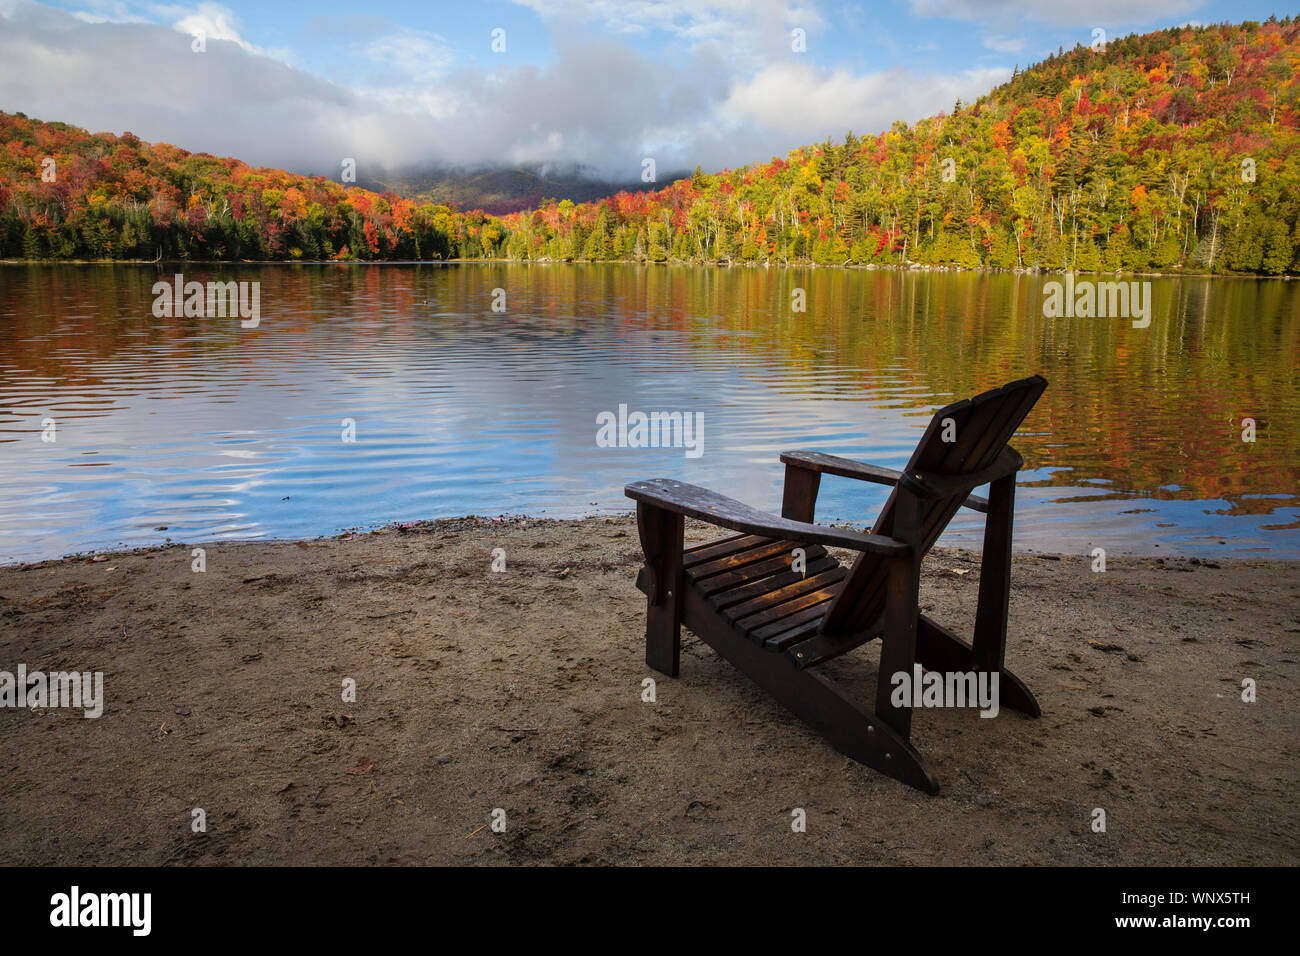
x: 212, y: 431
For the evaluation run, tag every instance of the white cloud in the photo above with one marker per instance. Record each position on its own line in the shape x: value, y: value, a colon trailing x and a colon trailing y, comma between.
x: 596, y: 102
x: 744, y: 29
x: 682, y: 17
x: 807, y: 105
x: 1004, y: 44
x: 105, y: 11
x: 211, y: 20
x: 415, y: 54
x: 1103, y: 13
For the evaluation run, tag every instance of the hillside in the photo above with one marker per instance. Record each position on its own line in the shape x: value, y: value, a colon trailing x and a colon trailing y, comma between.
x: 68, y: 194
x: 1171, y: 149
x: 1175, y: 149
x: 499, y: 190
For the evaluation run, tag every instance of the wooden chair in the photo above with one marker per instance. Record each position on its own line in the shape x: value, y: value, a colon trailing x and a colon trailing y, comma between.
x: 740, y: 594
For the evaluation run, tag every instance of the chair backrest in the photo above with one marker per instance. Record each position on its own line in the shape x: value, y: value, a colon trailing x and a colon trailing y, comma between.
x: 984, y: 424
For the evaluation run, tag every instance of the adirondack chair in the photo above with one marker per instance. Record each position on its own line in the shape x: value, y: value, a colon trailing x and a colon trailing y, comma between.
x: 741, y: 595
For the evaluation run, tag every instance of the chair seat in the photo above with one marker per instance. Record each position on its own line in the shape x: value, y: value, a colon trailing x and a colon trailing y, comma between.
x: 748, y: 579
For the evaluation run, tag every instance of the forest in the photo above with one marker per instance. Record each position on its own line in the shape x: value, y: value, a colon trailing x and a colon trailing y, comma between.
x: 1163, y: 151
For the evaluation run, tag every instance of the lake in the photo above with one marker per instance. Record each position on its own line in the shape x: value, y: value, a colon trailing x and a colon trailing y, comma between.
x: 376, y: 393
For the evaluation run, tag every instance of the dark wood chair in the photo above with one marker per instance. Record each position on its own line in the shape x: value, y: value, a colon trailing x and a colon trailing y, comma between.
x: 741, y: 595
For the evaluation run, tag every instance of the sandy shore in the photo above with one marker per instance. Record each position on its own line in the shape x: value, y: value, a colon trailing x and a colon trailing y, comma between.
x: 522, y: 691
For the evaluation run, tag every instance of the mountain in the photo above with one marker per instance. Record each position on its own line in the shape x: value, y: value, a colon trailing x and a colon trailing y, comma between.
x: 1174, y: 149
x: 1170, y: 150
x: 500, y: 190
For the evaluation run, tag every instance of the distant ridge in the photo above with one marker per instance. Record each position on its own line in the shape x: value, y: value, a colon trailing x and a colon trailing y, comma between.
x: 501, y: 190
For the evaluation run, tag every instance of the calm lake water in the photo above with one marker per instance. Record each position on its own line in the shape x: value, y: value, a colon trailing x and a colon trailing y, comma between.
x: 216, y: 431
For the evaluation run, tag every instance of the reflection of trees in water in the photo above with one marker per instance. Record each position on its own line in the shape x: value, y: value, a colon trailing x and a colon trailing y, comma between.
x: 1152, y: 412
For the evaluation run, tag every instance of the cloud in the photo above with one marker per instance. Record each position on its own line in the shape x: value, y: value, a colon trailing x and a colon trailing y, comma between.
x: 597, y: 101
x: 1004, y: 44
x: 742, y: 29
x: 101, y: 11
x: 687, y: 18
x: 1104, y: 13
x: 145, y: 78
x: 211, y: 21
x: 807, y: 105
x: 414, y: 54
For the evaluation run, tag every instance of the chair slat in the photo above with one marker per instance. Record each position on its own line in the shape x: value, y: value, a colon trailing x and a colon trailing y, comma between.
x: 783, y: 639
x: 717, y: 547
x: 774, y: 574
x: 817, y: 648
x: 785, y: 593
x: 743, y: 575
x: 779, y: 612
x: 752, y: 555
x: 813, y: 613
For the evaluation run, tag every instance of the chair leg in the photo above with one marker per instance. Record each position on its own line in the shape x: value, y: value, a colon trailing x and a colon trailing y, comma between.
x: 990, y: 643
x: 817, y: 700
x: 902, y: 605
x: 662, y: 534
x: 898, y: 643
x: 939, y: 649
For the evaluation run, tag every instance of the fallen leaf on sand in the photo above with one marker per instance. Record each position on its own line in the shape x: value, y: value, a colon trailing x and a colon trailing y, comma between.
x: 364, y: 766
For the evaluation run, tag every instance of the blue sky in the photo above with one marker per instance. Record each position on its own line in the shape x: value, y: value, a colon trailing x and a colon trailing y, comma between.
x: 596, y: 83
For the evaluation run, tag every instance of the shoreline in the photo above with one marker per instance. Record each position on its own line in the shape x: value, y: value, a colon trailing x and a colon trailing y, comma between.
x: 678, y: 263
x: 522, y: 690
x: 434, y: 525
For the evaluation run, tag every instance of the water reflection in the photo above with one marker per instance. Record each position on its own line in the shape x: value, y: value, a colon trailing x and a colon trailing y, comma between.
x: 207, y: 430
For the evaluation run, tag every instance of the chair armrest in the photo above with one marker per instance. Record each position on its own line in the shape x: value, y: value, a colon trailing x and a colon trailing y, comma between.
x: 844, y: 467
x: 696, y: 502
x: 929, y: 484
x: 848, y: 468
